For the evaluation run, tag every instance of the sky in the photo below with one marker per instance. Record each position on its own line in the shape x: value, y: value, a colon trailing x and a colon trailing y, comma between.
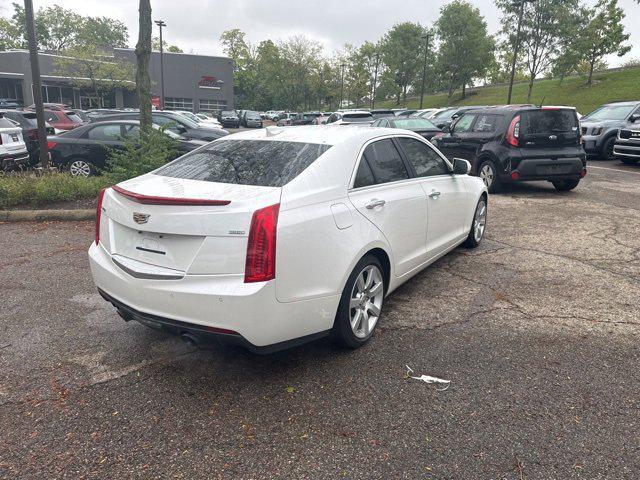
x: 196, y: 25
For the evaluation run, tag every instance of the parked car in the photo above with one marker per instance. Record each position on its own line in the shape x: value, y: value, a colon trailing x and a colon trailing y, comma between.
x: 271, y: 115
x: 286, y: 119
x: 97, y: 113
x: 13, y: 150
x: 251, y: 119
x: 85, y: 150
x: 627, y: 147
x: 426, y: 112
x: 229, y: 119
x: 600, y: 127
x: 519, y: 143
x: 304, y: 237
x: 382, y: 113
x: 350, y: 117
x: 12, y: 103
x: 208, y: 119
x: 176, y: 123
x: 421, y: 126
x: 405, y: 113
x: 28, y: 122
x: 445, y: 118
x: 63, y: 120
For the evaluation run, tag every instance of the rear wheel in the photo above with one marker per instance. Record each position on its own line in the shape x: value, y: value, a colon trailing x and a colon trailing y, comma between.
x: 81, y: 168
x: 607, y: 149
x: 629, y: 161
x: 565, y: 185
x: 489, y: 175
x: 361, y: 303
x: 477, y: 227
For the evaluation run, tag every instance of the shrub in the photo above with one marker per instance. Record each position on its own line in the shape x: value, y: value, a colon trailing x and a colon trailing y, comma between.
x: 36, y: 190
x: 151, y: 150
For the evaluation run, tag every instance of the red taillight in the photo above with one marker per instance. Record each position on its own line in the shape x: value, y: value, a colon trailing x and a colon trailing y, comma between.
x: 261, y: 248
x: 583, y: 173
x: 514, y: 132
x: 50, y: 145
x: 99, y: 214
x: 153, y: 200
x: 515, y: 175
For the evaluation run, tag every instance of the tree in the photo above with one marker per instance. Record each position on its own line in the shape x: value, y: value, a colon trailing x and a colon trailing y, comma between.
x: 603, y: 35
x: 93, y: 70
x: 401, y: 55
x: 547, y: 26
x: 143, y: 54
x: 235, y: 46
x: 155, y: 46
x: 466, y: 50
x: 103, y: 32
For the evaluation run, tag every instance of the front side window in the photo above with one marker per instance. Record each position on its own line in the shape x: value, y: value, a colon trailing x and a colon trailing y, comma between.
x: 463, y: 125
x: 246, y: 162
x: 105, y: 133
x: 385, y: 162
x: 425, y: 161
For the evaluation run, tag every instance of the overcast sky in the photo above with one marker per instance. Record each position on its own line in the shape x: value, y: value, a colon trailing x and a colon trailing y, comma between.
x: 195, y: 25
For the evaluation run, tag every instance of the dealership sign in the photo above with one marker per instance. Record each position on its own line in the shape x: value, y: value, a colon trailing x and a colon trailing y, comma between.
x: 210, y: 82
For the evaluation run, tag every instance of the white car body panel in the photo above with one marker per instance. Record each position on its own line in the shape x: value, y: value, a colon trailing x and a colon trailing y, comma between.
x: 323, y: 230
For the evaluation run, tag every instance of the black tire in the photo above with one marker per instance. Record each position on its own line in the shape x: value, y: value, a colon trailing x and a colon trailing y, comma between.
x: 565, y: 185
x: 488, y: 172
x: 476, y: 234
x: 607, y: 149
x: 343, y: 333
x: 629, y: 161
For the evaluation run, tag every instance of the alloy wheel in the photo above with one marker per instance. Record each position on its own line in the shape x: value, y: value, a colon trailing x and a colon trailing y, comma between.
x: 486, y: 174
x: 365, y: 302
x: 80, y: 168
x: 480, y: 220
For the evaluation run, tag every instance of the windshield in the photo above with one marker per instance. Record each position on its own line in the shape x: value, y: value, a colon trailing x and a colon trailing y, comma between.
x: 445, y: 113
x: 357, y: 117
x: 415, y: 124
x: 611, y: 112
x: 246, y: 162
x: 228, y: 114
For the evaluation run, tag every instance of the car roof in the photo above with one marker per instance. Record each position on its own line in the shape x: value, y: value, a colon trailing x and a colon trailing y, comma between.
x: 319, y: 134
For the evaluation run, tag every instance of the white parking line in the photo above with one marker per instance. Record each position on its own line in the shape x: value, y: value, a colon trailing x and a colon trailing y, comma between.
x: 612, y: 169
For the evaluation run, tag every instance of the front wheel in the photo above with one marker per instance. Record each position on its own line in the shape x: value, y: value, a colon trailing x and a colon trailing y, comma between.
x: 489, y: 175
x: 607, y: 149
x: 565, y: 185
x: 361, y: 303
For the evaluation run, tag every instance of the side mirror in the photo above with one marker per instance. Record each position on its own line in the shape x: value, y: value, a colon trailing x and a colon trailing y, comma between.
x: 181, y: 129
x: 634, y: 118
x: 461, y: 166
x: 324, y: 122
x: 446, y: 128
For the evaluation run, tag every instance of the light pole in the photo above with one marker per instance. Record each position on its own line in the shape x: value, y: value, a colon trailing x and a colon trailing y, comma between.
x: 161, y: 24
x: 516, y: 47
x: 342, y: 66
x: 375, y: 81
x: 424, y: 66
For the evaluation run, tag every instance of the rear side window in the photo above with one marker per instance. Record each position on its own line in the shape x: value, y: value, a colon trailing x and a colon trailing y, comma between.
x: 549, y: 121
x: 486, y: 123
x: 246, y: 162
x: 364, y: 176
x: 385, y: 162
x: 105, y: 133
x: 426, y: 162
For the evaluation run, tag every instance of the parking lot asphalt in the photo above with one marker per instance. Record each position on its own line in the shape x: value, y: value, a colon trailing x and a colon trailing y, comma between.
x: 537, y: 330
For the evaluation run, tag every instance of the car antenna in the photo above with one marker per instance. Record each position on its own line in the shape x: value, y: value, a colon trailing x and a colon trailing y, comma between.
x: 541, y: 102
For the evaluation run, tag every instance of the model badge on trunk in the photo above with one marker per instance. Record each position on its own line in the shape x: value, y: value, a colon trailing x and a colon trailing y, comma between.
x: 140, y: 217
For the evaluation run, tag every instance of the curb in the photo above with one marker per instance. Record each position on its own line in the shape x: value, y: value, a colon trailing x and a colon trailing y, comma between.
x: 45, y: 215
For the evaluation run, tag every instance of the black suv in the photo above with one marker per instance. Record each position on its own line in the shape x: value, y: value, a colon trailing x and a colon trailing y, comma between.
x: 519, y: 143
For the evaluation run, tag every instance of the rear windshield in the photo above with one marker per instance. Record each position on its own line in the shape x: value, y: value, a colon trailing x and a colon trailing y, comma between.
x: 415, y: 124
x: 550, y: 121
x: 246, y: 162
x: 357, y: 117
x: 74, y: 117
x: 382, y: 114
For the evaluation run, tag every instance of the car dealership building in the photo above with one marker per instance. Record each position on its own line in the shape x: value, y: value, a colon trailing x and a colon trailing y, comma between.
x: 191, y: 82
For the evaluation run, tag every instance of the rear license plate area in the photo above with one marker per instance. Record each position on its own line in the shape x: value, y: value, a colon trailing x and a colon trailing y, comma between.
x: 151, y: 242
x: 553, y: 169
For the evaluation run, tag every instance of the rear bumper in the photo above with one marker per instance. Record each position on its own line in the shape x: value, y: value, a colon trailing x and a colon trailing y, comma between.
x: 19, y: 159
x: 547, y: 169
x: 206, y: 304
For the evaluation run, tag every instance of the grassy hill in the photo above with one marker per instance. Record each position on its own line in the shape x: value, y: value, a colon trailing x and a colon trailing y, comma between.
x: 608, y: 86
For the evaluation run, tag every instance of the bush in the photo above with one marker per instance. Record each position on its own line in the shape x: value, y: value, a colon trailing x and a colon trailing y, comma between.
x: 36, y: 190
x: 139, y: 156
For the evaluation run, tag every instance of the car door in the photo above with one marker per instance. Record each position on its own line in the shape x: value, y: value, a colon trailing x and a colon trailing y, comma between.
x: 447, y: 196
x: 482, y: 131
x: 98, y: 141
x: 384, y: 192
x: 452, y: 145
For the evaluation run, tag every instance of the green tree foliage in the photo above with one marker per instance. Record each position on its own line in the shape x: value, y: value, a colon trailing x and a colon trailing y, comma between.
x: 155, y: 46
x: 58, y: 28
x: 466, y: 50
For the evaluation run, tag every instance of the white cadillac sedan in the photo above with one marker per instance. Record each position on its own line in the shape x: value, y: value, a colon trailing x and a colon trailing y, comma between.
x: 279, y: 236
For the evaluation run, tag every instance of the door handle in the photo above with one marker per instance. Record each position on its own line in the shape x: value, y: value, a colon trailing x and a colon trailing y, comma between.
x: 375, y: 203
x: 434, y: 194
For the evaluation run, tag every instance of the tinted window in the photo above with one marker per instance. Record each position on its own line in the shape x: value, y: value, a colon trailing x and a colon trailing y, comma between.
x: 357, y: 117
x: 364, y: 176
x: 550, y: 121
x: 104, y: 133
x: 425, y: 160
x: 486, y: 123
x: 132, y: 131
x: 246, y: 162
x: 385, y: 162
x: 415, y: 124
x: 464, y: 123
